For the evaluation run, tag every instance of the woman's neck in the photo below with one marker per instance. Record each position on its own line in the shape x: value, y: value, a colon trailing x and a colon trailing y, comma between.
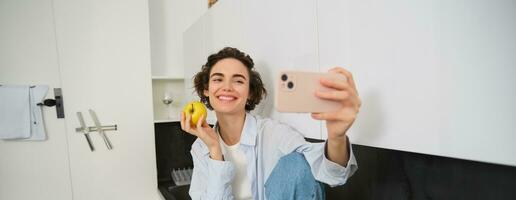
x: 230, y: 127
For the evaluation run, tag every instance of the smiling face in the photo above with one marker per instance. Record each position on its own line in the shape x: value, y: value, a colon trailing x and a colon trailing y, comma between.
x: 228, y: 86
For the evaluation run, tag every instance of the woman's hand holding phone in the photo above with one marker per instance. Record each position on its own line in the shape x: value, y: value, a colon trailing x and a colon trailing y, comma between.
x: 338, y: 122
x: 346, y: 94
x: 204, y: 132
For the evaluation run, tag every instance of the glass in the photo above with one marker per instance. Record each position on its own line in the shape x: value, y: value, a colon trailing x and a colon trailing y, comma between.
x: 167, y: 100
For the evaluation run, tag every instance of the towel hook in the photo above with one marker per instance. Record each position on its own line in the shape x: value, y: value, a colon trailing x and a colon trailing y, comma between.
x: 48, y: 102
x: 58, y: 102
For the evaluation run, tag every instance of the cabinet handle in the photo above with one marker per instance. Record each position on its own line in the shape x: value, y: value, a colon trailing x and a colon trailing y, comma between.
x: 100, y: 130
x: 97, y: 128
x: 84, y: 130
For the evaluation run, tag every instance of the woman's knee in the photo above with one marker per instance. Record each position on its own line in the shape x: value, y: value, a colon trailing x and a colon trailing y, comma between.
x: 292, y: 178
x: 295, y: 165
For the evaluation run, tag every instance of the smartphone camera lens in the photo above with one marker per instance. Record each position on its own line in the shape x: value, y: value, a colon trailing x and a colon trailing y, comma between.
x: 284, y: 77
x: 290, y: 85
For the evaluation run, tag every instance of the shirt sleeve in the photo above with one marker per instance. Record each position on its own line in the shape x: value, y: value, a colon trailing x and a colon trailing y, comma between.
x: 211, y: 179
x: 323, y: 169
x: 328, y: 171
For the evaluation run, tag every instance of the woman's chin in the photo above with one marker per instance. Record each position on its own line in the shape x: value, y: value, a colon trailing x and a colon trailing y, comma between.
x: 227, y: 109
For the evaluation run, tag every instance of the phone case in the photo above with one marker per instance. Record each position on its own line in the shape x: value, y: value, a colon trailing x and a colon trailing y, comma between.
x: 295, y: 92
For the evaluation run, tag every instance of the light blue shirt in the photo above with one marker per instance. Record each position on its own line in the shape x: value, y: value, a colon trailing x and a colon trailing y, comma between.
x: 264, y: 142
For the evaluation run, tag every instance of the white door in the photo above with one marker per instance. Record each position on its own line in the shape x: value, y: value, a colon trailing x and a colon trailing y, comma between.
x: 98, y: 53
x: 32, y: 169
x: 104, y: 53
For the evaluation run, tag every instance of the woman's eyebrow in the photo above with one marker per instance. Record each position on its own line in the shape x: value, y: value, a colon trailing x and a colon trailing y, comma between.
x: 234, y: 75
x: 239, y: 75
x: 217, y: 74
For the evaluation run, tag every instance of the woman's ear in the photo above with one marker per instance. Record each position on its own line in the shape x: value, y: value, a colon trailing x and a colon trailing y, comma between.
x: 206, y: 94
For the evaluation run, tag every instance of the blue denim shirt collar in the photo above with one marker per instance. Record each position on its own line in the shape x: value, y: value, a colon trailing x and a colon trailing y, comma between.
x: 249, y: 131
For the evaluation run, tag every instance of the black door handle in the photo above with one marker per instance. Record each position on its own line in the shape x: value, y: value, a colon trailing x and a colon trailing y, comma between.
x: 58, y: 102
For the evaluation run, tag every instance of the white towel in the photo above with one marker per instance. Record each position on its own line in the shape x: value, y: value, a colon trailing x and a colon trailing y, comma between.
x: 14, y: 112
x: 20, y: 116
x: 37, y: 129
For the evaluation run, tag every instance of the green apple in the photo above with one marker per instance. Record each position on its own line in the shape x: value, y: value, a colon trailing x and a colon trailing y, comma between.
x: 195, y: 109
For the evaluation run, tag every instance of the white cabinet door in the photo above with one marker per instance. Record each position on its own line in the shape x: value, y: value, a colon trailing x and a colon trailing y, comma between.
x: 435, y: 77
x: 104, y: 54
x: 282, y: 35
x: 98, y: 53
x: 391, y: 49
x: 32, y: 169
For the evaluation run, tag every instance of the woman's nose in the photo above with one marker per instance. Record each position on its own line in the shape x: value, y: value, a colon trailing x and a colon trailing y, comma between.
x: 227, y: 86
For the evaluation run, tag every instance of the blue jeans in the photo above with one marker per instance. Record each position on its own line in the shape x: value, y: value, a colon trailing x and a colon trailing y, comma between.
x: 292, y: 179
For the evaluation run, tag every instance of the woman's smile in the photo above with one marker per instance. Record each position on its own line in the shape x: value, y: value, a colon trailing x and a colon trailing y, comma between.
x: 226, y: 98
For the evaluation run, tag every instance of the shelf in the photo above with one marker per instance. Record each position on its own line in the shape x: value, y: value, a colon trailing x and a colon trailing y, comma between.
x: 178, y: 78
x: 166, y: 120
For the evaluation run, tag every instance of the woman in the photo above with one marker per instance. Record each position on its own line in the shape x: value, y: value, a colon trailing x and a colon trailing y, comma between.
x: 246, y: 157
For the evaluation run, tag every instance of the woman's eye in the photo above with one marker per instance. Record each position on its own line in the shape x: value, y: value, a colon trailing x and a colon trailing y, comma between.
x: 217, y: 80
x: 240, y: 81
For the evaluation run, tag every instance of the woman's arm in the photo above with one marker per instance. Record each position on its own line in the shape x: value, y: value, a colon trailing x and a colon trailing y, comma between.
x: 211, y: 179
x: 338, y: 122
x: 338, y: 151
x: 212, y: 176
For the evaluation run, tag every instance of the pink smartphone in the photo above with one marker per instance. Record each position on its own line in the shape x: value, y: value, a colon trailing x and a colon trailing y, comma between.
x: 295, y: 92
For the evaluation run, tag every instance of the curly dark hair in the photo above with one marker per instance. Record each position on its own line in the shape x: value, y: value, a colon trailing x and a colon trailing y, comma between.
x: 256, y: 87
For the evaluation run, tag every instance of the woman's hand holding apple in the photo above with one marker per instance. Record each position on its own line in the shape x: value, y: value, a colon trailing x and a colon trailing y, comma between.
x: 202, y: 130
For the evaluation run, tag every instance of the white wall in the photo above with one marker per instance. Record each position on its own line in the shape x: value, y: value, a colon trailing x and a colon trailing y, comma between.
x: 435, y: 77
x: 168, y: 21
x: 28, y: 55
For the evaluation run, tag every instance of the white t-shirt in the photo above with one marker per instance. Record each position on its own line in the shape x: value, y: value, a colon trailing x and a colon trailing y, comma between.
x: 241, y: 184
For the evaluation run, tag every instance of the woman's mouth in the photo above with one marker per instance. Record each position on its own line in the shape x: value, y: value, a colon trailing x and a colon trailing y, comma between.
x: 225, y: 98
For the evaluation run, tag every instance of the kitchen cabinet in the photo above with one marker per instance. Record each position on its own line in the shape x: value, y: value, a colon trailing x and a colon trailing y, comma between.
x: 168, y: 98
x: 168, y: 20
x: 98, y: 53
